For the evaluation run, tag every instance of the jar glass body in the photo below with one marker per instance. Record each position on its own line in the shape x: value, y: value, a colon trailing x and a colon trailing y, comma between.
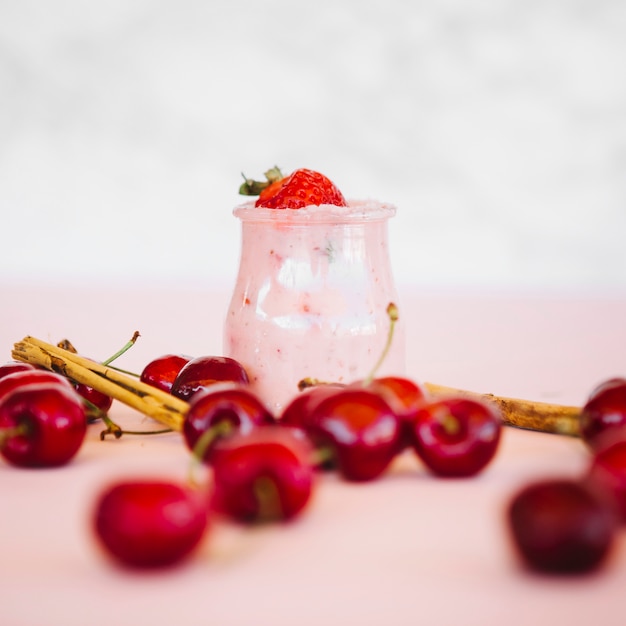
x: 311, y: 297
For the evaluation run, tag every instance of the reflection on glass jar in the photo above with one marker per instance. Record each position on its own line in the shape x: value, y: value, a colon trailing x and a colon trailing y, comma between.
x: 311, y: 296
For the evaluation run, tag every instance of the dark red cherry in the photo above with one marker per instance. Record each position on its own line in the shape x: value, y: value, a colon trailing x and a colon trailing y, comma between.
x: 362, y: 430
x: 608, y: 469
x: 298, y: 414
x: 48, y: 425
x: 228, y: 404
x: 22, y: 378
x: 150, y: 523
x: 604, y: 411
x: 98, y: 399
x: 604, y: 385
x: 162, y: 371
x: 456, y: 436
x: 203, y: 371
x: 404, y: 396
x: 263, y: 475
x: 15, y: 366
x: 561, y: 526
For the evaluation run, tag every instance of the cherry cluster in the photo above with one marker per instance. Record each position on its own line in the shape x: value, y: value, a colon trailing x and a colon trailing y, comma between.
x: 568, y: 525
x: 262, y: 467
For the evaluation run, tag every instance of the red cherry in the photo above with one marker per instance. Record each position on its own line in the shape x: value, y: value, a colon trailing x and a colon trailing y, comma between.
x: 608, y: 469
x: 604, y: 385
x: 50, y: 424
x: 456, y: 436
x: 605, y: 410
x: 150, y: 523
x: 162, y: 371
x: 203, y: 371
x: 95, y: 397
x: 15, y: 366
x: 224, y: 403
x: 299, y: 414
x: 21, y: 378
x: 362, y: 429
x: 561, y: 526
x: 404, y: 396
x: 263, y: 475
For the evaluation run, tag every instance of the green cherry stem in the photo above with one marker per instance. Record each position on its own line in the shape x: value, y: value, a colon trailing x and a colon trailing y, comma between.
x: 14, y: 431
x: 208, y: 437
x: 392, y: 313
x: 124, y: 349
x: 268, y: 498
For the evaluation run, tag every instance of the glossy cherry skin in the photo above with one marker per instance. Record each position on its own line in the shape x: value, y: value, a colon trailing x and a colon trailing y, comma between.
x: 204, y: 371
x: 223, y: 403
x: 605, y: 410
x: 456, y: 437
x: 361, y: 428
x: 608, y: 469
x: 561, y: 526
x: 54, y: 422
x: 404, y: 396
x: 299, y: 412
x: 21, y: 378
x: 162, y: 371
x: 15, y: 366
x: 95, y: 397
x: 263, y: 475
x: 150, y: 523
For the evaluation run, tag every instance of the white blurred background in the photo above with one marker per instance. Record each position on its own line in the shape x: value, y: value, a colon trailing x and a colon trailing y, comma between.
x: 498, y: 128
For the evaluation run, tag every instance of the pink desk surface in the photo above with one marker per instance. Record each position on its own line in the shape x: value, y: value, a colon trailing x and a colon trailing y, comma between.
x: 407, y: 549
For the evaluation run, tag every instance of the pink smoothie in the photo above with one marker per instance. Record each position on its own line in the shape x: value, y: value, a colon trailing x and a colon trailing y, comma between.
x: 311, y: 297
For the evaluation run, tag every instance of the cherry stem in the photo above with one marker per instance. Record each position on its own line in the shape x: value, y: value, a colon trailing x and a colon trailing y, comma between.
x: 322, y: 455
x: 268, y: 498
x: 125, y: 348
x: 204, y: 442
x: 66, y: 344
x: 14, y: 431
x: 113, y: 429
x: 392, y: 313
x: 94, y: 413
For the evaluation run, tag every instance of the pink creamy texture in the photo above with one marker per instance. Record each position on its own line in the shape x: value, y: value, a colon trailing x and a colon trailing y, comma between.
x: 311, y: 297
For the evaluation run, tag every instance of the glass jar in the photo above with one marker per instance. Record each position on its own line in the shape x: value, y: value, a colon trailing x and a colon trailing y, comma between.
x: 311, y: 297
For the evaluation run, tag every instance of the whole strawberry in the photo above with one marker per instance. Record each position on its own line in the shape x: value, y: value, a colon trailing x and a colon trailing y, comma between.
x: 302, y: 188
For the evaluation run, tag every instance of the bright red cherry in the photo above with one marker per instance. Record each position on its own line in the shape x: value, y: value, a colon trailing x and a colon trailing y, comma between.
x: 150, y: 523
x: 456, y: 436
x: 203, y: 371
x: 44, y: 425
x: 21, y: 378
x: 263, y: 475
x: 15, y: 366
x: 361, y: 428
x: 561, y: 526
x: 162, y: 371
x: 605, y: 410
x: 228, y: 404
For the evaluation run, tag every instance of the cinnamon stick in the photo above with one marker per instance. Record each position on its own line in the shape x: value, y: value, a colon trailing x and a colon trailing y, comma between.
x: 527, y: 414
x: 146, y: 399
x: 170, y: 411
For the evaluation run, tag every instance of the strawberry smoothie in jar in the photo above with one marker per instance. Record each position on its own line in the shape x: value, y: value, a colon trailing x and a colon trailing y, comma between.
x: 311, y: 297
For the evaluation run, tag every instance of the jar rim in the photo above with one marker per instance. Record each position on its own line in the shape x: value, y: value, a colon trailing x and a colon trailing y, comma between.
x: 356, y: 211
